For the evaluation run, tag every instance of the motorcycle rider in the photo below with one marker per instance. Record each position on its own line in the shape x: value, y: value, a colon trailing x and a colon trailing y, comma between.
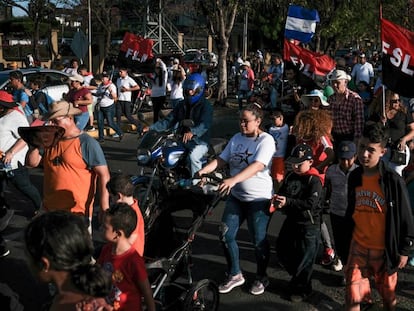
x: 196, y: 107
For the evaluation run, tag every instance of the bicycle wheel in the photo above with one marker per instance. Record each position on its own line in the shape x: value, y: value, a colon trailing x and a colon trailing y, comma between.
x: 147, y: 203
x: 202, y: 296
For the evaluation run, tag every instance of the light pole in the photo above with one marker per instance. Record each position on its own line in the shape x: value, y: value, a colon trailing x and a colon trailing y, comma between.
x: 89, y: 37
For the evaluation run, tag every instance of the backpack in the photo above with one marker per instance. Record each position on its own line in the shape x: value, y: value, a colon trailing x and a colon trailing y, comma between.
x: 44, y: 100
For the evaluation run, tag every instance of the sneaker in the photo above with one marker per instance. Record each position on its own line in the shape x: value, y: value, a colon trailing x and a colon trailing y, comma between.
x: 298, y: 297
x: 328, y: 256
x: 259, y: 287
x: 231, y: 282
x: 90, y: 128
x: 4, y: 251
x: 101, y: 140
x: 5, y: 219
x: 337, y: 264
x: 115, y: 136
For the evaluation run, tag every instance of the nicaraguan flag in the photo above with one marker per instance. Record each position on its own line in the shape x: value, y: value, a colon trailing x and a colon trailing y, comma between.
x: 301, y: 23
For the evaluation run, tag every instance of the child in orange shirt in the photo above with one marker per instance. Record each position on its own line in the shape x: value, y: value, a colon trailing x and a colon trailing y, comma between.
x: 380, y: 225
x: 121, y: 190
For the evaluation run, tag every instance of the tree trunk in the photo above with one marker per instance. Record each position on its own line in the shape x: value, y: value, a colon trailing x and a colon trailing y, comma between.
x: 222, y: 69
x: 36, y: 40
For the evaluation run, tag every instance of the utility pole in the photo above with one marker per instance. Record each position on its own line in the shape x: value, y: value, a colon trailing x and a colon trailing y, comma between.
x: 89, y: 37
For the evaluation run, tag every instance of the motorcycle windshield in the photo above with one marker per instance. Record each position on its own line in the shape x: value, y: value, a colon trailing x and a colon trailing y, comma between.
x: 151, y: 140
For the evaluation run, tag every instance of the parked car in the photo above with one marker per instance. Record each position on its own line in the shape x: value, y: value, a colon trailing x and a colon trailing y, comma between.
x: 194, y: 58
x: 55, y: 82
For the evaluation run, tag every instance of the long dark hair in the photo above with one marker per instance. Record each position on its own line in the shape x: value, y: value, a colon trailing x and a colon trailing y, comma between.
x: 65, y: 241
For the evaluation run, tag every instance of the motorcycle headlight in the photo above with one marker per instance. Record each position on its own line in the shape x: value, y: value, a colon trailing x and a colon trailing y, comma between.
x: 143, y: 156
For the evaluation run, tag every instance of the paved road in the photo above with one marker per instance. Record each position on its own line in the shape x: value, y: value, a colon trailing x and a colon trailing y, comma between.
x: 208, y: 257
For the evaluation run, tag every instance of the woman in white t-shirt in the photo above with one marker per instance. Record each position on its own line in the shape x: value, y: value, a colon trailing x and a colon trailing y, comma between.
x: 248, y: 154
x: 107, y: 97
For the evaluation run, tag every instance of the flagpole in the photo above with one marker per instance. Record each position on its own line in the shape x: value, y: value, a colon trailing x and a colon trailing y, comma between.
x: 383, y: 86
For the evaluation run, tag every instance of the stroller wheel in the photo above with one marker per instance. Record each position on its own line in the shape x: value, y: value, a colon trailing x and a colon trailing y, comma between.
x: 202, y: 296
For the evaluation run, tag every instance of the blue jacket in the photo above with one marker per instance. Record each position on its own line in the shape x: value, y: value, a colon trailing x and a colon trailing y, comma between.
x: 202, y: 115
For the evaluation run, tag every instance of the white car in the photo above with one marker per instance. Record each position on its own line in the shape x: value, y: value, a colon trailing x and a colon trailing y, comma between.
x: 55, y: 82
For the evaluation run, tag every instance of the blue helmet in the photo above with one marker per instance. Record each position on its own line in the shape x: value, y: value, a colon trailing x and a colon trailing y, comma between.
x: 197, y: 83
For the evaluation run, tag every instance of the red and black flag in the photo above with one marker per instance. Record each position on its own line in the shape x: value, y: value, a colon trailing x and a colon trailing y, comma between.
x: 319, y: 64
x: 136, y: 53
x: 397, y: 58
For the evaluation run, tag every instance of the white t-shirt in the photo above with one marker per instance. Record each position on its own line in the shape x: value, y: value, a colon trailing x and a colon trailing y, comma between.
x: 126, y: 82
x: 362, y: 72
x: 9, y: 134
x: 177, y: 90
x: 105, y: 91
x: 242, y: 151
x: 280, y: 135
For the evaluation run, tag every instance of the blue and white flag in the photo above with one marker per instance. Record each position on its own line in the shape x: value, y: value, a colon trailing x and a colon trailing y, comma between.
x: 301, y: 23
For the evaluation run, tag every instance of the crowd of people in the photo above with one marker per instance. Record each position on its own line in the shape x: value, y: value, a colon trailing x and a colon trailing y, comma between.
x: 313, y: 151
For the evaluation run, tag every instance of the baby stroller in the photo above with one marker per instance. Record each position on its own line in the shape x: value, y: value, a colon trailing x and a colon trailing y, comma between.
x: 170, y: 276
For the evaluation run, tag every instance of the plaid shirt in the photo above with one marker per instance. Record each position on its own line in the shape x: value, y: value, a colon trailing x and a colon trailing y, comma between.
x: 347, y: 113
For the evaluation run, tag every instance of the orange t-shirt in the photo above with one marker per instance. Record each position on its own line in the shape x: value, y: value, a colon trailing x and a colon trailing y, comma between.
x: 369, y: 214
x: 68, y: 183
x: 139, y: 230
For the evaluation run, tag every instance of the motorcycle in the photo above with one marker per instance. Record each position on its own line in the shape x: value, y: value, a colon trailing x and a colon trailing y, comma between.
x: 143, y: 100
x: 163, y: 168
x: 212, y: 85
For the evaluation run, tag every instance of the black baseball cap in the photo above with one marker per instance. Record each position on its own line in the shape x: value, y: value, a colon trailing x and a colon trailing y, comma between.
x: 300, y: 153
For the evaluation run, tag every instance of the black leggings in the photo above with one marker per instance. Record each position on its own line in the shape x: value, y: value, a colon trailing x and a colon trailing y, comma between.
x: 157, y: 105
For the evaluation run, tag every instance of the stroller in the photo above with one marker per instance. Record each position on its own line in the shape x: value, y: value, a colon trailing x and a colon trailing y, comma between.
x: 170, y: 276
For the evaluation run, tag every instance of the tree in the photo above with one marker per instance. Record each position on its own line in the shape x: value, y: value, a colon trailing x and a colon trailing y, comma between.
x: 38, y: 11
x: 220, y: 21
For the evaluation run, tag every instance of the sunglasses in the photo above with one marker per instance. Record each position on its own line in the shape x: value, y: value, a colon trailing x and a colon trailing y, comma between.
x: 394, y: 101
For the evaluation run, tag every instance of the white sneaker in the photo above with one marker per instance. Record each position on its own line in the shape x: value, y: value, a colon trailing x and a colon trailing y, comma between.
x: 231, y: 282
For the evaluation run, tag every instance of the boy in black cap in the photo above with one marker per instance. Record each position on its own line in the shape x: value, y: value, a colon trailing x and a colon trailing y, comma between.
x: 299, y: 237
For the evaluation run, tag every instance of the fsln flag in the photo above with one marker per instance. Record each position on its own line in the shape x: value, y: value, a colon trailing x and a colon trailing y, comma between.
x: 301, y: 23
x: 319, y: 64
x: 136, y: 53
x: 397, y: 59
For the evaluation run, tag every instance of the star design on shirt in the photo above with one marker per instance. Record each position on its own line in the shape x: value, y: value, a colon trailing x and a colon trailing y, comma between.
x: 245, y: 156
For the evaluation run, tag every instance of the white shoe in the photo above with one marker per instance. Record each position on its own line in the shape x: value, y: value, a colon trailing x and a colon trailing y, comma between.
x: 231, y: 282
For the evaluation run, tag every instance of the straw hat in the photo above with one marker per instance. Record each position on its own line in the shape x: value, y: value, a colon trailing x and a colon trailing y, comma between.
x: 62, y: 109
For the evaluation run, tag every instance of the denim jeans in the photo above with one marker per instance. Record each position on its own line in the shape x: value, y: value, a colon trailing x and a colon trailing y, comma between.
x: 257, y: 216
x: 108, y: 113
x: 82, y: 120
x: 243, y: 95
x: 195, y: 156
x: 21, y: 180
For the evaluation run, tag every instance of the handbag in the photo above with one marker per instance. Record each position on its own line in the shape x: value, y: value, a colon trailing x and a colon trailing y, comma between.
x: 398, y: 156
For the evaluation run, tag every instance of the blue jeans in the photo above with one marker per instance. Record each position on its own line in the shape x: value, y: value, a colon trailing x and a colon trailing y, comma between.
x: 195, y: 155
x: 82, y: 120
x: 243, y: 95
x: 108, y: 113
x: 258, y: 217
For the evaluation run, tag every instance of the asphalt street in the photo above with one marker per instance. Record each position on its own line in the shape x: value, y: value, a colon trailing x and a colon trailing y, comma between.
x: 208, y: 258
